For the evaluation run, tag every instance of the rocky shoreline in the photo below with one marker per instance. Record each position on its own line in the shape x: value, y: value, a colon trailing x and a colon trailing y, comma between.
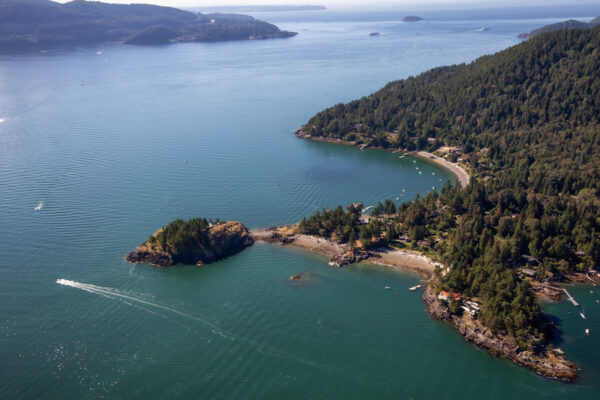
x: 548, y: 363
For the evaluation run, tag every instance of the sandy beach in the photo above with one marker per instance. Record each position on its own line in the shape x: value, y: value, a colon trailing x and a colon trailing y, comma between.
x: 461, y: 174
x: 397, y: 259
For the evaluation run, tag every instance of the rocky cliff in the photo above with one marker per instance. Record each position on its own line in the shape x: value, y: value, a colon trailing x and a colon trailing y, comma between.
x: 544, y: 361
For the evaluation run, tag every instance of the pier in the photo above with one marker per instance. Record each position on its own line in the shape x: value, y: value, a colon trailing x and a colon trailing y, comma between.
x: 571, y: 298
x: 565, y: 291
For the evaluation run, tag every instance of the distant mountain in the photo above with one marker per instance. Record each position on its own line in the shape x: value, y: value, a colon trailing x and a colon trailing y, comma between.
x: 261, y: 8
x: 569, y: 24
x: 27, y: 25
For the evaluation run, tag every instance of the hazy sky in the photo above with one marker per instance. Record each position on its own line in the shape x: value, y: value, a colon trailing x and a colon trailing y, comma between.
x: 366, y: 4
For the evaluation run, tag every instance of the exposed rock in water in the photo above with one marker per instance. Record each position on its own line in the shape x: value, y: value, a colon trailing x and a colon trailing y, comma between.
x: 544, y: 362
x: 203, y: 246
x: 295, y: 277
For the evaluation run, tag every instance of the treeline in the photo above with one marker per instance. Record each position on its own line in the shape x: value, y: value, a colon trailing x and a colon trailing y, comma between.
x: 527, y: 120
x: 344, y: 227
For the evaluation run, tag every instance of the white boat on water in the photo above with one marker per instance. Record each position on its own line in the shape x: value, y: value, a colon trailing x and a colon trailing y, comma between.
x: 39, y: 206
x: 587, y: 331
x: 387, y: 288
x: 582, y: 315
x: 483, y: 29
x: 412, y: 289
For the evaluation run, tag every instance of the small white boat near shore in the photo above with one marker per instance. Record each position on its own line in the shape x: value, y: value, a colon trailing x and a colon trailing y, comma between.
x: 412, y: 289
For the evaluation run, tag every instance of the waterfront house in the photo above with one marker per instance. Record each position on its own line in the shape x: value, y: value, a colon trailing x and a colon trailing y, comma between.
x: 471, y: 307
x: 529, y: 272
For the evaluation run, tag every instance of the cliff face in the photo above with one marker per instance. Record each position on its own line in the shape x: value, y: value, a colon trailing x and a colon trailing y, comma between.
x: 222, y: 240
x: 544, y: 362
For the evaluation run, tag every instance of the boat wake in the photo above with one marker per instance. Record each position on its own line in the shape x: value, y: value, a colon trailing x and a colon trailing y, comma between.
x: 39, y: 206
x: 127, y: 297
x: 110, y: 292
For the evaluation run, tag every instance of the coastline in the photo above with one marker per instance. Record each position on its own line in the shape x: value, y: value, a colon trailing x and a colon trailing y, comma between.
x: 397, y: 259
x: 544, y: 361
x: 462, y: 176
x: 550, y: 363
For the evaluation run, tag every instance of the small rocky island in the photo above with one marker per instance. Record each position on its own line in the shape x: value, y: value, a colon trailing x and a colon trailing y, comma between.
x: 196, y: 241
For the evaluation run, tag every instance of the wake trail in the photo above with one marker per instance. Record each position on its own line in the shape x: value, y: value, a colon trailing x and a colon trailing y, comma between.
x: 112, y: 292
x: 264, y: 349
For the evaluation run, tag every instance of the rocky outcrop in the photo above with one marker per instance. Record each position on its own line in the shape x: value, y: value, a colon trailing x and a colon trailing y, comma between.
x: 221, y: 240
x: 436, y: 308
x: 544, y: 362
x: 351, y: 257
x: 278, y: 237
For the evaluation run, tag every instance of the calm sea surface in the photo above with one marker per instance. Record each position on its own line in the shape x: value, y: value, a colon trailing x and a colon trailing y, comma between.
x: 98, y: 138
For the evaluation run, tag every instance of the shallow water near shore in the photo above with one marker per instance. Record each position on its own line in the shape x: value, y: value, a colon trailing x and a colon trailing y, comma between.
x: 113, y: 146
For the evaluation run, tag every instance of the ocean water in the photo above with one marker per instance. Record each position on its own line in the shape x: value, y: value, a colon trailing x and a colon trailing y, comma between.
x: 98, y: 139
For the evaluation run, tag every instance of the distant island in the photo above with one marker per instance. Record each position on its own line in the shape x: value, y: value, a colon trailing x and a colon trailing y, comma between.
x: 197, y: 241
x: 28, y: 25
x: 569, y: 24
x: 259, y: 8
x: 412, y: 18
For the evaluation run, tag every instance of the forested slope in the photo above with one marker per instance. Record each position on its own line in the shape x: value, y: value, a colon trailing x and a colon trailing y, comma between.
x: 527, y: 122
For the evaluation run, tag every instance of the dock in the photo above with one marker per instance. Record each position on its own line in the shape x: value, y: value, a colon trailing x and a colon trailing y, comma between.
x: 565, y: 291
x: 571, y: 298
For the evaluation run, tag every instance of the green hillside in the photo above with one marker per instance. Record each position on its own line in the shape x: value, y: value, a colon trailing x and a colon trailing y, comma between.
x: 526, y: 122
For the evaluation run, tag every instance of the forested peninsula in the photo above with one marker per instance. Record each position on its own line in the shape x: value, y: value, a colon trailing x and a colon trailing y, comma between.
x: 525, y: 123
x: 28, y: 25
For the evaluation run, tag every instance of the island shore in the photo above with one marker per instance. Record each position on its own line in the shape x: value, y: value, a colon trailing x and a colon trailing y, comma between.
x: 462, y: 176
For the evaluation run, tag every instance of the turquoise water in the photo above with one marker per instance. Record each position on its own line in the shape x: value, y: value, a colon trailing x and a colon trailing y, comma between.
x: 101, y: 140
